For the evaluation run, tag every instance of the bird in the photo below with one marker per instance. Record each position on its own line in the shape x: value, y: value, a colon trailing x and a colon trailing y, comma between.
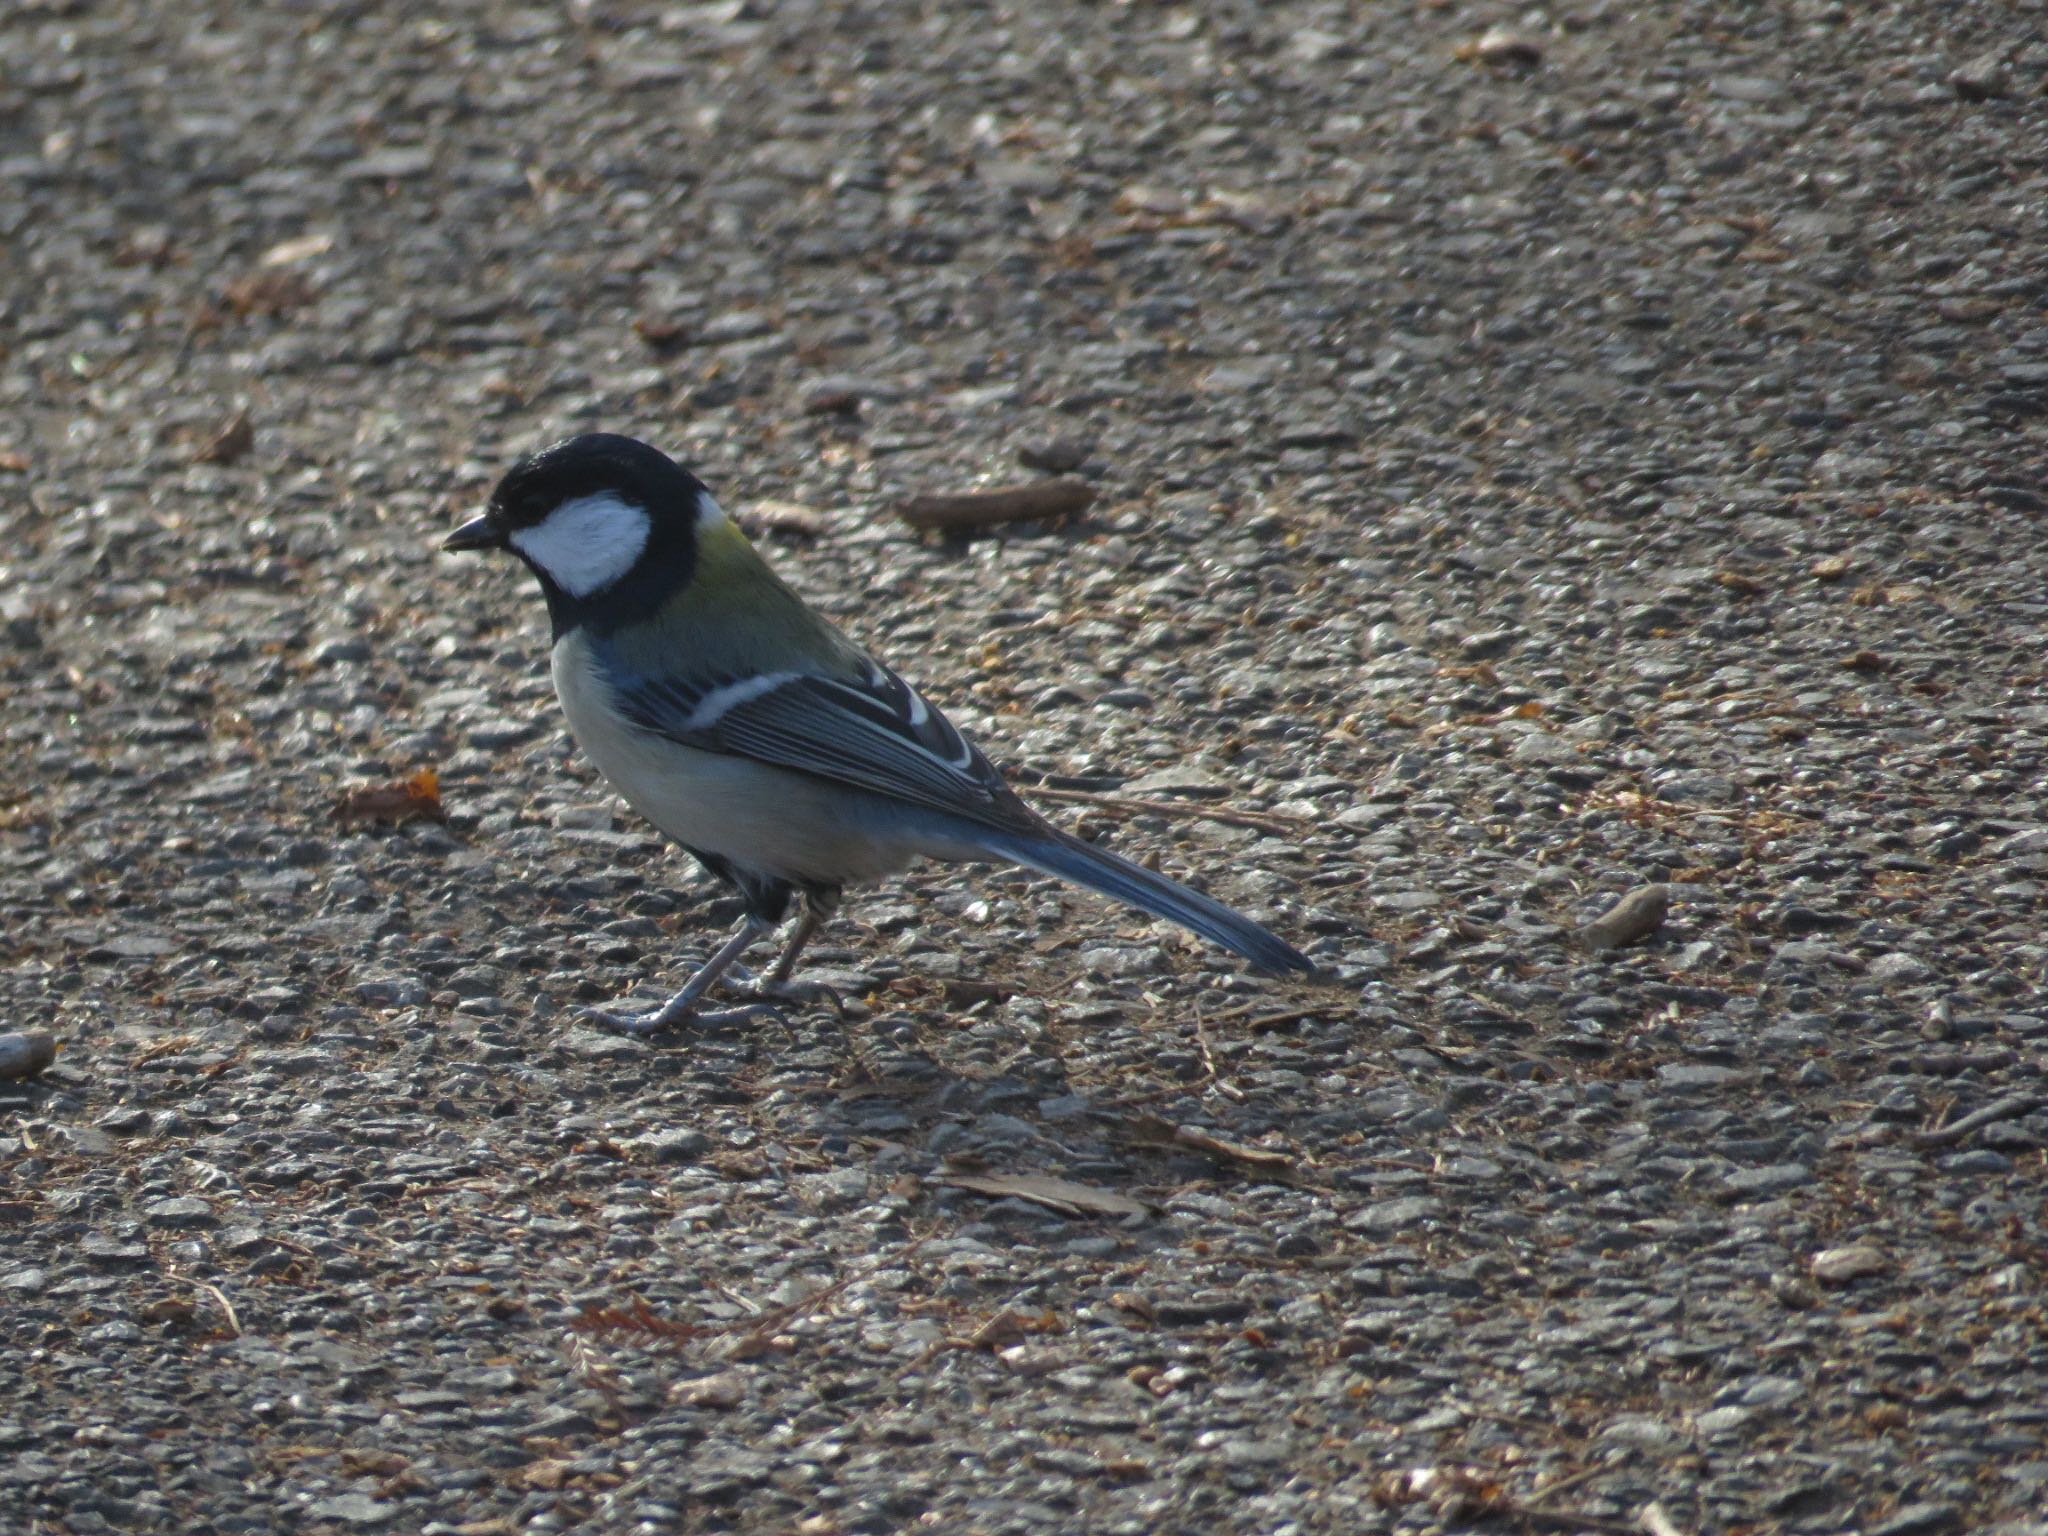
x: 753, y: 733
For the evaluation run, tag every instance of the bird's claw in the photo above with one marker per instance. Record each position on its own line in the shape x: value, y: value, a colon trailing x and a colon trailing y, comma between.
x: 801, y: 994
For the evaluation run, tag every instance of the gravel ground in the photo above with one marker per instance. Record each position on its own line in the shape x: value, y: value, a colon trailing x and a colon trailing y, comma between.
x: 1529, y: 467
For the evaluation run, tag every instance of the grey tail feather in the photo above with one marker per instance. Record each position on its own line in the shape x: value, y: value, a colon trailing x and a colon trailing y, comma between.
x: 1054, y: 852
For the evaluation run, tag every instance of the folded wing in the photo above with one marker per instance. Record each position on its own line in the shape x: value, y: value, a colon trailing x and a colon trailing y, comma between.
x: 874, y: 732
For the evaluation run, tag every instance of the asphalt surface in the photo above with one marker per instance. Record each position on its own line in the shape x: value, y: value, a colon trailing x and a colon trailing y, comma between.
x: 1536, y: 457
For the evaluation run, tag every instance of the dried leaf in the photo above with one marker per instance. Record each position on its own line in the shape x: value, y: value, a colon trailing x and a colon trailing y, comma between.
x: 638, y: 1319
x: 752, y: 1346
x: 661, y: 333
x: 1006, y: 1328
x: 1452, y: 1492
x: 414, y: 799
x: 789, y: 518
x: 1740, y: 583
x: 14, y: 463
x: 1866, y: 661
x: 832, y: 402
x: 967, y: 511
x: 168, y: 1045
x: 269, y: 292
x: 1062, y: 1195
x: 358, y: 1461
x: 235, y: 438
x: 544, y: 1476
x: 1829, y: 568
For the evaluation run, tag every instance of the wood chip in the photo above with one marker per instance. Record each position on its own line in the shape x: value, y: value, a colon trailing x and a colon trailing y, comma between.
x: 1636, y: 916
x: 1062, y: 1195
x: 968, y: 511
x: 288, y: 253
x: 414, y: 799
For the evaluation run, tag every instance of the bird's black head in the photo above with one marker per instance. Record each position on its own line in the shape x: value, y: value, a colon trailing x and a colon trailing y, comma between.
x: 607, y: 523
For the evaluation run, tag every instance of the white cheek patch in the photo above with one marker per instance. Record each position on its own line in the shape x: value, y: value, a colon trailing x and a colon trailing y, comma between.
x: 587, y: 544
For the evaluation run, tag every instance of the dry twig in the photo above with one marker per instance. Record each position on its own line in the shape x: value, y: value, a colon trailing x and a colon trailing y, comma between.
x: 967, y: 511
x: 2011, y: 1107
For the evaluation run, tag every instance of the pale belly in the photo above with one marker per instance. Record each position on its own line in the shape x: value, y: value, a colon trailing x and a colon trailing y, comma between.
x: 760, y: 818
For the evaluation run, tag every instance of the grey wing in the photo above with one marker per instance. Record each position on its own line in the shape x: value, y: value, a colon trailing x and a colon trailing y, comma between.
x: 875, y: 733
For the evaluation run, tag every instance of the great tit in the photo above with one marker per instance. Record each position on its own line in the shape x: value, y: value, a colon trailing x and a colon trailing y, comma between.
x: 748, y: 729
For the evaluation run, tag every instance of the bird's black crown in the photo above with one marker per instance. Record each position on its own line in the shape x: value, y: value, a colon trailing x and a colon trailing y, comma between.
x: 591, y: 465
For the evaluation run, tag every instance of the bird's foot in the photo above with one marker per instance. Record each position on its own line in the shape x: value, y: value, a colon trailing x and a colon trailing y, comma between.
x: 654, y: 1020
x: 774, y: 989
x: 800, y: 994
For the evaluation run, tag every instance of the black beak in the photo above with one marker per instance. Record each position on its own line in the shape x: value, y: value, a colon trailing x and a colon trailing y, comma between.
x: 477, y: 533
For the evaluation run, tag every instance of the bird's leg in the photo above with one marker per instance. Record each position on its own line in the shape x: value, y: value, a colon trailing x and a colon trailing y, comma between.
x: 684, y: 1004
x: 818, y: 906
x: 806, y: 925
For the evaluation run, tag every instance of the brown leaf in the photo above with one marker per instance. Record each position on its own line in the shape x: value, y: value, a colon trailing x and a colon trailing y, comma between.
x: 964, y: 513
x: 832, y: 402
x: 752, y: 1346
x: 273, y: 291
x: 415, y: 799
x: 1866, y: 661
x: 1006, y: 1328
x: 1062, y: 1195
x: 235, y: 438
x: 661, y: 333
x: 358, y: 1461
x: 638, y: 1320
x: 1740, y: 583
x: 543, y: 1476
x: 1829, y: 568
x: 14, y: 463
